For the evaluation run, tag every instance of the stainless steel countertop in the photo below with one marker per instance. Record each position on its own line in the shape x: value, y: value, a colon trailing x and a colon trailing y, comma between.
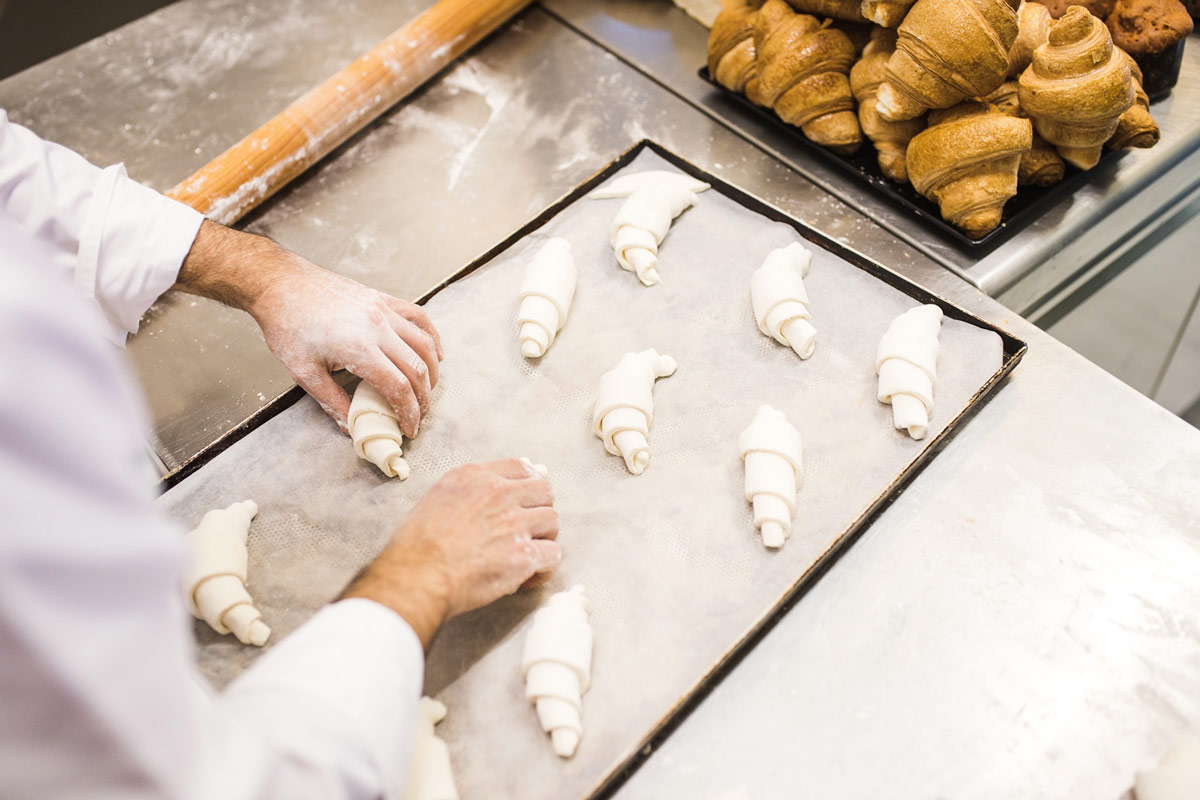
x: 1024, y: 620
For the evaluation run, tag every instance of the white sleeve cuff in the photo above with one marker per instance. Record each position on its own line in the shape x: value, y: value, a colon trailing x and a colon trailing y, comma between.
x: 358, y: 669
x: 133, y: 243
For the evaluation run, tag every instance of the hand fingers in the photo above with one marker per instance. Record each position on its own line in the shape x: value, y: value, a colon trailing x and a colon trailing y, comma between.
x: 542, y: 523
x: 396, y: 389
x: 414, y: 369
x: 532, y: 492
x: 417, y: 316
x: 547, y: 556
x: 420, y: 342
x: 538, y: 579
x: 325, y: 390
x: 512, y: 468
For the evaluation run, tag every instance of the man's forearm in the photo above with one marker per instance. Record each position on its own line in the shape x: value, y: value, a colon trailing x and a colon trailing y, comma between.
x: 232, y: 267
x: 407, y: 584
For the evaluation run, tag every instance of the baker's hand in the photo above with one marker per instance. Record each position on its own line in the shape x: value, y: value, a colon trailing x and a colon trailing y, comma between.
x: 479, y: 534
x: 316, y: 321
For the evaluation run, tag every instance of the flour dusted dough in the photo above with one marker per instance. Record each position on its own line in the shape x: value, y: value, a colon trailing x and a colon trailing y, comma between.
x: 214, y: 582
x: 375, y: 430
x: 907, y: 367
x: 557, y: 665
x: 780, y: 300
x: 547, y: 289
x: 625, y: 406
x: 773, y: 453
x: 540, y: 469
x: 656, y: 198
x: 429, y: 774
x: 1177, y: 776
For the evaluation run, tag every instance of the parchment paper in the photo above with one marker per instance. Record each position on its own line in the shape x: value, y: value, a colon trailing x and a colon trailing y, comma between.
x: 670, y: 559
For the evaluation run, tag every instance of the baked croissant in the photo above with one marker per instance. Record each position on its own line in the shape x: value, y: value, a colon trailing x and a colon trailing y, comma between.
x: 1136, y: 128
x: 888, y: 13
x: 838, y: 9
x: 1042, y: 165
x: 1077, y: 88
x: 731, y: 60
x: 948, y: 51
x: 891, y: 138
x: 967, y: 161
x: 803, y: 68
x: 1033, y: 27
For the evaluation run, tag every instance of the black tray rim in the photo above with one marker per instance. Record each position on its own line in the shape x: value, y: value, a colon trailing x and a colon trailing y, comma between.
x: 1014, y: 350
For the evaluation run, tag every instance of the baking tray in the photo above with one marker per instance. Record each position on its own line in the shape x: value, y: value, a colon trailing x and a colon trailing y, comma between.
x: 863, y: 167
x: 680, y: 586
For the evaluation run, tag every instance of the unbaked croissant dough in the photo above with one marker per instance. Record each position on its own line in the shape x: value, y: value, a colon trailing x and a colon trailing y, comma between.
x: 773, y: 452
x: 1177, y: 776
x: 375, y: 430
x: 655, y: 199
x: 907, y: 367
x: 557, y: 665
x: 430, y: 776
x: 214, y: 582
x: 540, y: 469
x: 625, y: 406
x: 547, y: 289
x: 780, y: 301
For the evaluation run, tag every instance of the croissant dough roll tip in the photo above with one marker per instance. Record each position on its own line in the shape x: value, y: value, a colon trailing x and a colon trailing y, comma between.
x: 780, y: 300
x: 547, y: 289
x: 947, y: 51
x: 375, y: 431
x: 556, y: 661
x: 430, y: 776
x: 214, y: 583
x: 625, y: 406
x: 1077, y: 88
x: 772, y: 451
x: 906, y: 363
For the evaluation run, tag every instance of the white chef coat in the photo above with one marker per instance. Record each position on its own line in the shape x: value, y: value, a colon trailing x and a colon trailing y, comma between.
x: 98, y: 695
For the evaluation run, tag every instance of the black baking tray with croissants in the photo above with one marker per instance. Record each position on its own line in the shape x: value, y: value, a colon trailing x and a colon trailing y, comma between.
x: 1022, y: 209
x: 972, y: 115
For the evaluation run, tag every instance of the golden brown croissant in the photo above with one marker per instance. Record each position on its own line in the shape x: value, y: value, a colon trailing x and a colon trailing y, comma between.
x: 967, y: 161
x: 1033, y: 28
x: 891, y: 138
x: 838, y: 9
x: 1077, y: 88
x: 802, y: 73
x: 731, y: 61
x: 1136, y: 128
x: 1042, y: 165
x: 948, y: 51
x: 888, y: 13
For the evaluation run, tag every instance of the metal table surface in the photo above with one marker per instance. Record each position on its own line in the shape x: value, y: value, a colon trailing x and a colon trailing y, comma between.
x: 1024, y: 619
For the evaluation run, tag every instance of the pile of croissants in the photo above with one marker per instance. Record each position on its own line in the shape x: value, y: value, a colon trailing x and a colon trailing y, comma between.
x: 965, y: 99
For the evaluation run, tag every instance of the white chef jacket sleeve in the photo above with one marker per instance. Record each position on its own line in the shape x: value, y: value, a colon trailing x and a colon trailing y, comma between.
x: 98, y: 693
x: 121, y: 243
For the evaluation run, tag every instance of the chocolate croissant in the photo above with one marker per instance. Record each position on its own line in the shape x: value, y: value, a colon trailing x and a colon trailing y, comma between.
x: 891, y: 138
x: 1042, y: 165
x: 731, y: 57
x: 948, y: 51
x: 803, y: 68
x: 1077, y: 88
x: 1136, y: 128
x: 967, y: 162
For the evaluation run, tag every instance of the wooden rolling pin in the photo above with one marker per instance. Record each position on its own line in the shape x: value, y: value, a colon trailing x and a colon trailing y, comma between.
x: 255, y: 168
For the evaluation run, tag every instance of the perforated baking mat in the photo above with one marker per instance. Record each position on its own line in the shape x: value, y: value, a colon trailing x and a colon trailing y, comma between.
x: 679, y: 582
